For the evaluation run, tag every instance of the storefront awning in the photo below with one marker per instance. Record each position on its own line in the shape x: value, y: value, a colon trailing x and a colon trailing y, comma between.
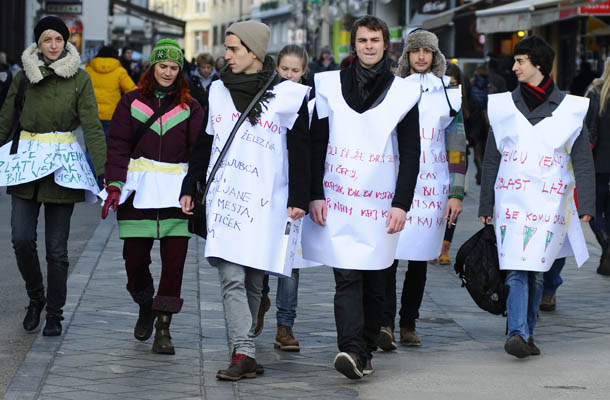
x: 446, y: 17
x: 524, y: 14
x: 145, y: 12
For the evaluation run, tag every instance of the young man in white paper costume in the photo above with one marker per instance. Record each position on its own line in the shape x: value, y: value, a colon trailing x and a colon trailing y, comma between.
x: 537, y: 152
x: 365, y: 160
x: 440, y: 183
x: 257, y: 188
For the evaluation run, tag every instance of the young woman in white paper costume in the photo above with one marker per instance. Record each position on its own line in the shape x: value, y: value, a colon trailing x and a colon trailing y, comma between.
x: 365, y: 158
x: 291, y: 65
x: 44, y: 164
x: 144, y: 173
x: 440, y: 183
x: 261, y: 187
x: 537, y: 152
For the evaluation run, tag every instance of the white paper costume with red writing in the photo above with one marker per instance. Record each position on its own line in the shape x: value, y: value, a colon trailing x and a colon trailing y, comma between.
x: 535, y: 212
x: 42, y: 154
x: 156, y: 184
x: 359, y: 178
x: 247, y: 202
x: 422, y: 237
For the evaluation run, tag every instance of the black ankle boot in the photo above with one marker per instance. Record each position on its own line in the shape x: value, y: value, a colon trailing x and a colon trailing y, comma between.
x: 53, y: 325
x: 163, y: 340
x: 144, y: 326
x: 32, y: 317
x: 604, y: 263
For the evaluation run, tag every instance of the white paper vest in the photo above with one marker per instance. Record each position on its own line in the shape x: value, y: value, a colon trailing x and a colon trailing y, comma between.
x: 359, y: 178
x: 247, y: 203
x: 535, y: 214
x: 156, y: 184
x: 422, y: 237
x: 42, y: 154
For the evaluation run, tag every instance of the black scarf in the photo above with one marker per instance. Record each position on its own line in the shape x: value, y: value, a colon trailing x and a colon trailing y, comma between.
x: 536, y: 95
x: 366, y: 84
x: 243, y: 87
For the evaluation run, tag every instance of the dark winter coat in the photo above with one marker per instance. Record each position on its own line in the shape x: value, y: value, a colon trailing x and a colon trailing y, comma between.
x: 170, y: 142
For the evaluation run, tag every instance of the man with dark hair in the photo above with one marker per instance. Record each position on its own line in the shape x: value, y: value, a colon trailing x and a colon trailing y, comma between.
x: 536, y: 134
x: 365, y: 120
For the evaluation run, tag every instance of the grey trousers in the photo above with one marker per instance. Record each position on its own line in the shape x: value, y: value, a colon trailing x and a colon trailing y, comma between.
x: 241, y: 289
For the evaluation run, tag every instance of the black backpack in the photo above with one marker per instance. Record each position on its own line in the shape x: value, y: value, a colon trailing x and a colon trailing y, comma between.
x: 477, y: 266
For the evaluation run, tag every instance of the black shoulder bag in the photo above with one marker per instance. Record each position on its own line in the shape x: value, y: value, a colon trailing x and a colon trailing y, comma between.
x: 19, y: 101
x: 140, y: 132
x: 197, y: 221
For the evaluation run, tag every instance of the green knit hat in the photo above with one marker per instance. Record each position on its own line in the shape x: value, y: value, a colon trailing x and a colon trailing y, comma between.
x: 167, y: 50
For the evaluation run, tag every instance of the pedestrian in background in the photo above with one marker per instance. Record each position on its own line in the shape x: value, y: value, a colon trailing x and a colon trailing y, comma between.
x: 201, y: 79
x: 58, y: 98
x: 291, y: 65
x: 598, y: 122
x: 6, y: 78
x: 152, y: 163
x: 324, y: 62
x: 130, y: 65
x: 219, y: 64
x: 110, y: 81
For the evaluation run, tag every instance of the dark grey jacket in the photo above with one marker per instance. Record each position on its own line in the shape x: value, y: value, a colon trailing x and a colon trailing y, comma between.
x: 599, y: 128
x: 582, y: 160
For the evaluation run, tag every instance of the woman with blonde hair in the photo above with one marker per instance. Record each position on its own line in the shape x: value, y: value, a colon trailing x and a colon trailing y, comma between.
x: 45, y: 104
x: 598, y: 122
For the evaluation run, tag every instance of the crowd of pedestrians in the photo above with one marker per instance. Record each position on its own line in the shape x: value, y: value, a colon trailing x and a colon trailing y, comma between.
x: 304, y: 163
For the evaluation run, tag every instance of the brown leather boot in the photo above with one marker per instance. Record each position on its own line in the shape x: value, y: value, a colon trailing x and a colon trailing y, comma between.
x: 163, y: 340
x: 260, y: 318
x: 409, y: 337
x: 241, y: 367
x: 444, y: 258
x: 284, y: 339
x: 144, y: 325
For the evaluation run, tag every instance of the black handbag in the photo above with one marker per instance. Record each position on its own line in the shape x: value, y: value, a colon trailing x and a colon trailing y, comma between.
x: 198, y: 222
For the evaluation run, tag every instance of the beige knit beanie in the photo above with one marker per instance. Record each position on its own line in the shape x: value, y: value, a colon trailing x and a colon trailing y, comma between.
x: 255, y: 35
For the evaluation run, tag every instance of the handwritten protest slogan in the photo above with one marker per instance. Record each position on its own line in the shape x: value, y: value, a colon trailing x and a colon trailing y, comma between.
x: 247, y: 202
x: 39, y: 155
x: 535, y: 211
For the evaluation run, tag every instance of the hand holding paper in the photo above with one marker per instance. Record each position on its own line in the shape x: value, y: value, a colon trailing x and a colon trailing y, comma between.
x: 295, y: 213
x: 396, y: 220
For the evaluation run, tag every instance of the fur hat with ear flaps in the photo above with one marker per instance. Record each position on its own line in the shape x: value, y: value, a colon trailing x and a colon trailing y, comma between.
x: 422, y: 39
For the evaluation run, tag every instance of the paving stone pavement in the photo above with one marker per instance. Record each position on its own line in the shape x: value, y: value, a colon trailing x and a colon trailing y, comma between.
x: 98, y: 358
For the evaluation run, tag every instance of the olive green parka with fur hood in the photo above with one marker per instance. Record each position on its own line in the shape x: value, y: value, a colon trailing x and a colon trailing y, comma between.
x: 58, y: 97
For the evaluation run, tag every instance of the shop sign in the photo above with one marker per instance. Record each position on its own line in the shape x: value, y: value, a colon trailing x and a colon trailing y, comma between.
x: 595, y: 9
x: 434, y: 6
x: 64, y: 7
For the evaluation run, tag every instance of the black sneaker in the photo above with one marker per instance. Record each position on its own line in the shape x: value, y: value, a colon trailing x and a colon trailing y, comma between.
x: 348, y: 365
x: 368, y: 368
x: 385, y: 339
x: 534, y: 350
x: 516, y: 346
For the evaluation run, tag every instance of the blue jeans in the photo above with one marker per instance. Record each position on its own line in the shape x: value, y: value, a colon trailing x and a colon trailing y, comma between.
x: 523, y: 301
x: 552, y: 277
x: 106, y: 128
x: 286, y: 299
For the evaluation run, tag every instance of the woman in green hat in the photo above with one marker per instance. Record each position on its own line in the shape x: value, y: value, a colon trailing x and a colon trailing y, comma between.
x: 144, y: 172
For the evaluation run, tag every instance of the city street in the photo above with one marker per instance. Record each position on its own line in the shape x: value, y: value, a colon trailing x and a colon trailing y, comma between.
x: 461, y: 357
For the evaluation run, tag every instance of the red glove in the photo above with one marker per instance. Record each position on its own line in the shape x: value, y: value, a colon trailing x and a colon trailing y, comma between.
x: 114, y: 193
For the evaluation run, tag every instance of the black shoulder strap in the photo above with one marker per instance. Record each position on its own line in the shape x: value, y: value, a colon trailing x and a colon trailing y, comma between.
x: 19, y: 101
x: 164, y: 106
x: 241, y: 119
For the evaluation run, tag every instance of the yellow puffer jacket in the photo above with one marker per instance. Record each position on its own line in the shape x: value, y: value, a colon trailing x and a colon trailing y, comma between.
x: 110, y: 81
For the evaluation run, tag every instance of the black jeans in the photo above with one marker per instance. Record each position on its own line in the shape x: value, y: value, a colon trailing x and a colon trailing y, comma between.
x: 24, y: 219
x: 358, y: 300
x: 412, y: 294
x: 601, y: 222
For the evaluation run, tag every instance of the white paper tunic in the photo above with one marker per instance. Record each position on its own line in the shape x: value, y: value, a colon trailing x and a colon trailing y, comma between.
x: 42, y: 154
x: 247, y: 202
x: 535, y: 212
x: 155, y: 184
x: 360, y: 177
x: 422, y: 237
